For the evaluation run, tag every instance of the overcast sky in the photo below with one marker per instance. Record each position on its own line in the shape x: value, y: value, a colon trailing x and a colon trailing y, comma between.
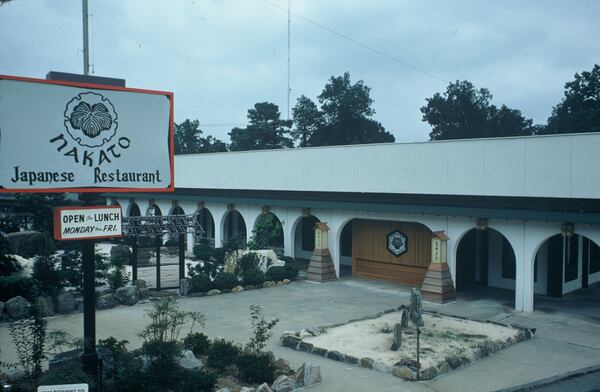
x: 220, y: 57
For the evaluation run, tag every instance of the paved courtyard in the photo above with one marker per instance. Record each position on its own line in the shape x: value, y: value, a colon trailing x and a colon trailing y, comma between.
x: 568, y: 338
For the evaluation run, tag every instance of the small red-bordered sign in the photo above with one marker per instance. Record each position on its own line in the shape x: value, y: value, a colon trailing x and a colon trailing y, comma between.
x: 83, y: 223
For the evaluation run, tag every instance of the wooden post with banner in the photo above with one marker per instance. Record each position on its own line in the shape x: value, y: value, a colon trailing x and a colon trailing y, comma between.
x: 90, y: 135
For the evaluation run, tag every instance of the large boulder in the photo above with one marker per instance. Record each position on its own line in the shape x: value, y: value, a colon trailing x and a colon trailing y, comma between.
x: 47, y: 306
x: 283, y: 384
x: 30, y: 243
x: 189, y: 361
x: 264, y: 387
x: 106, y: 301
x: 128, y: 295
x: 65, y: 302
x: 308, y: 374
x: 18, y: 308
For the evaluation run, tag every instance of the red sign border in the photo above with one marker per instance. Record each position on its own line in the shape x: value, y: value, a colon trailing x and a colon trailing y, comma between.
x: 58, y: 224
x: 171, y: 139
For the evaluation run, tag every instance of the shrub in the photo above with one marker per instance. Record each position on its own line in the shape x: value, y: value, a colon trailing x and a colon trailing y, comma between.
x: 233, y: 244
x: 120, y: 254
x: 255, y: 277
x: 8, y: 264
x: 164, y: 357
x: 222, y: 353
x: 58, y: 339
x: 261, y: 329
x: 62, y: 375
x: 128, y: 373
x: 268, y: 232
x: 28, y: 336
x: 11, y: 286
x: 276, y: 273
x: 225, y: 281
x: 118, y: 347
x: 257, y: 368
x: 70, y: 266
x: 291, y: 269
x: 246, y: 262
x: 219, y: 255
x: 197, y: 342
x: 197, y: 381
x: 47, y: 275
x: 172, y: 242
x: 200, y: 283
x: 203, y: 250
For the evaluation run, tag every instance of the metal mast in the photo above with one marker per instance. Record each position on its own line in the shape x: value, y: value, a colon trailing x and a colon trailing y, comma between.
x: 288, y: 61
x: 86, y: 47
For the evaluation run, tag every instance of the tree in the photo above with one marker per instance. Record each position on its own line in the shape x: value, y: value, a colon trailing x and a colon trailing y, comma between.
x: 189, y: 140
x: 307, y: 118
x: 344, y: 116
x: 579, y: 110
x: 41, y: 207
x: 464, y: 112
x: 266, y: 130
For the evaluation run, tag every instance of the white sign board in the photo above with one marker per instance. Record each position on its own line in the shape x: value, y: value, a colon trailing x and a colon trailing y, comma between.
x: 63, y: 388
x: 79, y: 223
x: 62, y: 136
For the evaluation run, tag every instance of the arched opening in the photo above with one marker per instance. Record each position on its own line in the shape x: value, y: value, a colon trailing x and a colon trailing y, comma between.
x: 234, y: 226
x: 565, y: 263
x: 154, y: 210
x: 398, y: 252
x: 173, y: 237
x: 206, y: 221
x: 485, y: 258
x: 134, y: 210
x: 268, y: 231
x: 304, y: 237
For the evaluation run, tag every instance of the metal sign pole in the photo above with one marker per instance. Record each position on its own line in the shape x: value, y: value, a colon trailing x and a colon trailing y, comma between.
x: 90, y: 356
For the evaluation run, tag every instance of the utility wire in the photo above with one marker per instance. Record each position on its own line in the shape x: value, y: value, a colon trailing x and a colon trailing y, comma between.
x: 350, y: 39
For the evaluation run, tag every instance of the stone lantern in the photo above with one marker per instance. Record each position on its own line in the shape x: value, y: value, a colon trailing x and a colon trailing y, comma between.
x: 320, y: 267
x: 437, y: 285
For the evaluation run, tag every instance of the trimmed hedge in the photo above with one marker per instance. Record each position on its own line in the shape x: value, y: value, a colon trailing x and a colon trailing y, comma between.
x: 225, y: 281
x: 257, y: 368
x: 222, y: 353
x: 255, y: 277
x: 200, y: 283
x: 276, y: 274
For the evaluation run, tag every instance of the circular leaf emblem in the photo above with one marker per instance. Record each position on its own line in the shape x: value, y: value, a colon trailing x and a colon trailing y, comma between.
x: 90, y: 119
x: 397, y: 243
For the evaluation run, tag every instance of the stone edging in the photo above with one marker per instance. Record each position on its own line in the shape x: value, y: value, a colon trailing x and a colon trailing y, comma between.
x: 295, y: 341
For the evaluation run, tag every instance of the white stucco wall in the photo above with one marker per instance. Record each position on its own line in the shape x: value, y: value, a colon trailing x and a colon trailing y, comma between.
x: 542, y: 166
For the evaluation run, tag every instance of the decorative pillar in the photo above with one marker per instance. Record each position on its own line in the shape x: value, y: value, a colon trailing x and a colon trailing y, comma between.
x: 320, y: 267
x: 437, y: 285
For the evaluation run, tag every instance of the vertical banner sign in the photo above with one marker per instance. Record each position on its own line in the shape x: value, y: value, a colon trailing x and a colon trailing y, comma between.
x: 84, y: 223
x: 60, y: 136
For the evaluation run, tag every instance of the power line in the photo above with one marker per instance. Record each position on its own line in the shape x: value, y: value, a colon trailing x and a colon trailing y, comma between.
x: 365, y: 46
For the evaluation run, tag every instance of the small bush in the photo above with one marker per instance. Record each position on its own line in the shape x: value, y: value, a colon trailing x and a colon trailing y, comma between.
x: 47, y: 275
x: 219, y: 255
x: 172, y: 242
x: 61, y: 376
x: 12, y: 286
x: 197, y: 381
x: 118, y: 347
x: 197, y: 342
x: 257, y: 367
x: 203, y: 250
x: 261, y: 329
x: 164, y: 357
x: 8, y: 264
x: 222, y: 353
x: 129, y: 375
x: 225, y: 281
x: 255, y: 277
x: 291, y: 269
x: 276, y: 273
x: 200, y: 283
x: 246, y: 262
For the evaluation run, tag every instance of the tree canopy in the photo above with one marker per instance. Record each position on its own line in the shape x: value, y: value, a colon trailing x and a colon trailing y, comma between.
x: 344, y: 116
x: 189, y: 140
x: 464, y: 112
x: 579, y: 111
x: 266, y: 130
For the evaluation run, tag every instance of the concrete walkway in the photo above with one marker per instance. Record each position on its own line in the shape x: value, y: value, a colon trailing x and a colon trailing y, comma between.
x: 564, y: 341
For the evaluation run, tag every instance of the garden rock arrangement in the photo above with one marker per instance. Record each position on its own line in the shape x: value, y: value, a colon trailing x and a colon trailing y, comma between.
x: 447, y: 342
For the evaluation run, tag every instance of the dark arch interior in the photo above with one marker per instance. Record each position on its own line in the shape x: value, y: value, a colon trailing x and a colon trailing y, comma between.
x: 235, y: 227
x: 134, y: 210
x: 206, y: 221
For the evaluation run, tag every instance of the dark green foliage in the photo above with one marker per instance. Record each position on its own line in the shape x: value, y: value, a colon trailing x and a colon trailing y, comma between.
x: 200, y: 283
x: 171, y: 242
x: 71, y: 263
x: 129, y: 375
x: 219, y: 255
x: 12, y: 286
x: 268, y: 232
x: 291, y: 269
x: 203, y: 250
x: 276, y: 273
x: 189, y: 140
x: 225, y: 281
x: 247, y: 262
x: 579, y: 110
x: 57, y: 339
x: 464, y: 112
x: 164, y: 357
x: 193, y: 380
x: 47, y: 275
x: 61, y: 376
x: 261, y: 329
x: 120, y: 254
x: 257, y: 368
x: 255, y: 277
x: 222, y: 353
x: 197, y: 342
x: 266, y: 130
x: 117, y: 276
x: 231, y: 245
x: 118, y: 347
x: 41, y: 206
x: 8, y: 264
x: 28, y: 336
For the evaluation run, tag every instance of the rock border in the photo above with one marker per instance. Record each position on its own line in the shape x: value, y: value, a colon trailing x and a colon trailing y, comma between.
x: 295, y: 340
x: 240, y: 288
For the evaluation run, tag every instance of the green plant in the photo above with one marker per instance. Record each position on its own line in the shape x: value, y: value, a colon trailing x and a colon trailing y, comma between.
x: 8, y: 264
x: 197, y: 342
x: 246, y: 262
x: 58, y: 339
x: 200, y: 283
x: 71, y: 262
x: 268, y: 232
x: 167, y: 320
x: 291, y: 269
x: 117, y: 276
x: 129, y: 374
x: 171, y: 242
x: 61, y: 376
x: 28, y: 336
x: 257, y: 368
x: 47, y: 275
x: 255, y: 277
x: 222, y: 353
x: 225, y: 281
x: 197, y: 381
x: 232, y: 244
x: 219, y: 255
x: 276, y: 273
x: 203, y: 250
x: 261, y: 329
x: 118, y: 347
x: 12, y: 286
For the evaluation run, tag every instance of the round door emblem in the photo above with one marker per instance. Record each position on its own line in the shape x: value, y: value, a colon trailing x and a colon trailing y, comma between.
x: 397, y: 243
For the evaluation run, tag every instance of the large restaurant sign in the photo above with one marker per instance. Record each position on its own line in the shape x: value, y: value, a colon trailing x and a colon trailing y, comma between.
x: 73, y: 137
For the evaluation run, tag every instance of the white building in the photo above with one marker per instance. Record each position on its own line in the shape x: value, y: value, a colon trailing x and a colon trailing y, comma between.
x: 521, y: 213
